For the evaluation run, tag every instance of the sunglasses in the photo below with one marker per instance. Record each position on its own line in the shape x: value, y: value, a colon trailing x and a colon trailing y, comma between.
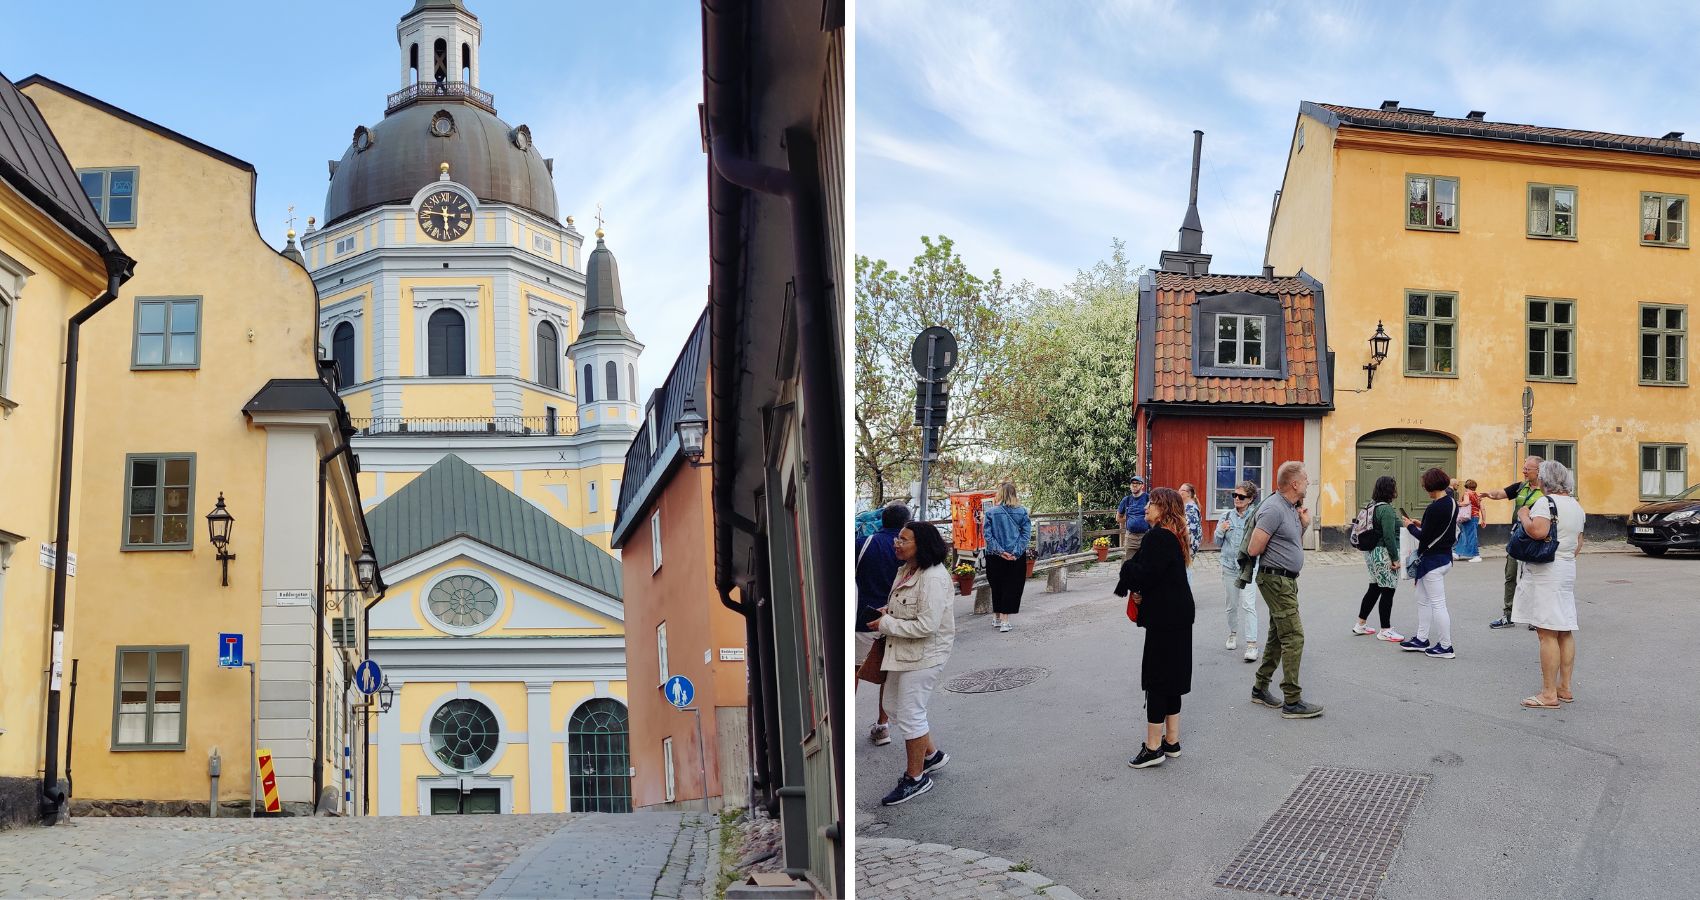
x: 1242, y: 497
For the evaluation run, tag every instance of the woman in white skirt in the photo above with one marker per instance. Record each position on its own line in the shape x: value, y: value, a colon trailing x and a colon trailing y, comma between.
x: 1546, y: 592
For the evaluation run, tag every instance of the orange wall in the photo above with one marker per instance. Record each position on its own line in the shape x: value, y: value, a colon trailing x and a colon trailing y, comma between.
x: 680, y: 593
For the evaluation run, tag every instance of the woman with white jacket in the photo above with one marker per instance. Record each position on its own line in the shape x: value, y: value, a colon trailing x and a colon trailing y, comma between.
x: 919, y: 626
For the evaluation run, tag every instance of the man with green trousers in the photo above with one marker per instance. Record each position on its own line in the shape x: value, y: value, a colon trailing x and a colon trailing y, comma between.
x: 1524, y: 493
x: 1277, y: 541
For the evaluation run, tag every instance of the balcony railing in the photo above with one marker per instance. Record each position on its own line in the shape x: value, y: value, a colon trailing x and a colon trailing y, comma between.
x: 432, y: 90
x: 509, y: 426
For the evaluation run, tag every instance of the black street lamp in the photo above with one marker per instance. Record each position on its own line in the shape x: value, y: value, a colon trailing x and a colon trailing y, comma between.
x: 219, y: 523
x: 692, y: 429
x: 386, y: 695
x: 1378, y: 344
x: 365, y: 571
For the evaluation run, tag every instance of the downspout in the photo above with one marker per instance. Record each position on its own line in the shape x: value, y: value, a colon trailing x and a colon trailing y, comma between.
x: 53, y: 796
x: 319, y: 635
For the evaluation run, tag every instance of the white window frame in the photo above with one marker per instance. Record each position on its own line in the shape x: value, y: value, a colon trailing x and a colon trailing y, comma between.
x: 1267, y: 444
x: 655, y: 542
x: 661, y: 651
x: 463, y: 300
x: 667, y: 764
x: 590, y: 502
x: 344, y: 245
x: 13, y: 276
x: 1240, y: 340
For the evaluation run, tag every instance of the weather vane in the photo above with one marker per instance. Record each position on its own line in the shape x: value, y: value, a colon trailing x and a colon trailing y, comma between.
x: 599, y: 220
x: 291, y: 219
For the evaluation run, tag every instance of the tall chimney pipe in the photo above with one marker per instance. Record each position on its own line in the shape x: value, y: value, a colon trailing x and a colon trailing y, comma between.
x: 1192, y: 229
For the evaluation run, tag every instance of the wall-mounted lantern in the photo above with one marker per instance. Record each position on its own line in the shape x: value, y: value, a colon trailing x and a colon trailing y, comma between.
x: 219, y: 523
x: 692, y: 429
x: 1378, y: 344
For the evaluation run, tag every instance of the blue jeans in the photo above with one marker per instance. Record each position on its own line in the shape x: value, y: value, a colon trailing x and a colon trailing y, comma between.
x: 1467, y: 535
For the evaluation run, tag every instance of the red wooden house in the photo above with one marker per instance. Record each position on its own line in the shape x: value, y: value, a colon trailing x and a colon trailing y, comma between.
x: 1233, y: 376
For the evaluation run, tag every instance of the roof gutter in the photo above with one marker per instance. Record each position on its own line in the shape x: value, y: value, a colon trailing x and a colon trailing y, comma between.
x: 119, y: 268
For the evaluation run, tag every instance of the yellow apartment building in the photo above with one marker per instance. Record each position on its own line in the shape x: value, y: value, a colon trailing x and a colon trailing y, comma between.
x: 204, y: 393
x: 1503, y: 262
x: 58, y: 262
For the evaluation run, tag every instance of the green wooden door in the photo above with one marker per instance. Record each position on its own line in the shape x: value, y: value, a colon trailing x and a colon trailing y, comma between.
x: 1405, y: 455
x: 478, y: 801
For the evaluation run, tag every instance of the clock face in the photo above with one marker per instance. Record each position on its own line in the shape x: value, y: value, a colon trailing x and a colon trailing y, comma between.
x: 445, y: 215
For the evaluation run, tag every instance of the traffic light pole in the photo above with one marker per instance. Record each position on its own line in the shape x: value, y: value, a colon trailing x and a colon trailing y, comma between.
x: 926, y: 428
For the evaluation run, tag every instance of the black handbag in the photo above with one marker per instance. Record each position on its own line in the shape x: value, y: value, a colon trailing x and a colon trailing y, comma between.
x: 1527, y: 549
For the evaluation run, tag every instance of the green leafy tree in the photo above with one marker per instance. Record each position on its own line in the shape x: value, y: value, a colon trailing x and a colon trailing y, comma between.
x: 892, y: 307
x: 1070, y: 424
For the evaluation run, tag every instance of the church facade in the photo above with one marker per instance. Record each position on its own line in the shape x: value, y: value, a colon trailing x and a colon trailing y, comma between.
x: 488, y: 368
x: 462, y: 313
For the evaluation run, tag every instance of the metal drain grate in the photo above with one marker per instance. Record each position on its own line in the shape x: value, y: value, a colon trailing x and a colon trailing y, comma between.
x: 1001, y: 679
x: 1333, y: 837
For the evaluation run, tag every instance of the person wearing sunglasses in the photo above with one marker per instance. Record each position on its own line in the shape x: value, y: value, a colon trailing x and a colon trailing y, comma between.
x: 1239, y: 602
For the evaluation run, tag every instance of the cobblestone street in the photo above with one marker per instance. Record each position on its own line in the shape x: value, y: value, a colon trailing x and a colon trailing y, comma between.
x: 639, y: 855
x: 906, y: 870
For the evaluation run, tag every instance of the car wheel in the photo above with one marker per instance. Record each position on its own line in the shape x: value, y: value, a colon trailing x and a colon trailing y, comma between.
x: 1654, y: 551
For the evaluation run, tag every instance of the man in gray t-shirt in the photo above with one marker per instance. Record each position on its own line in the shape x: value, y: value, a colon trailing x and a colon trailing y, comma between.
x: 1275, y: 540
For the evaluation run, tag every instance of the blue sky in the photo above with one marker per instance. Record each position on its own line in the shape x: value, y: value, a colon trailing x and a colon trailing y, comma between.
x: 609, y: 90
x: 1033, y: 133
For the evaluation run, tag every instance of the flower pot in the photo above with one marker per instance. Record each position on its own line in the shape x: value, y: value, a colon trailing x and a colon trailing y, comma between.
x: 965, y: 584
x: 1030, y: 562
x: 1103, y: 553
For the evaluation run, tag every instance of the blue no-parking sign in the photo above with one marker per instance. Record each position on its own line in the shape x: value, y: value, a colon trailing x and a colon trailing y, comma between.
x: 229, y: 651
x: 367, y: 677
x: 679, y: 691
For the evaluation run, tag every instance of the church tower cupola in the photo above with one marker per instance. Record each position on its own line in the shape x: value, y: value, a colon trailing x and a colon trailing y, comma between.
x: 606, y: 353
x: 439, y: 44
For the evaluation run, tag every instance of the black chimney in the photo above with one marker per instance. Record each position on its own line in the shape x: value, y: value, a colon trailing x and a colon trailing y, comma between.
x: 1190, y: 258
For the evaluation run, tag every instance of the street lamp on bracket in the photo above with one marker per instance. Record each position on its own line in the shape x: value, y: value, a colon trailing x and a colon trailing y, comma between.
x: 1378, y: 345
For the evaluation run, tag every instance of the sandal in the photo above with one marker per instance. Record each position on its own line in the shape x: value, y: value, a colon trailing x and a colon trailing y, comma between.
x: 1569, y: 699
x: 1535, y: 703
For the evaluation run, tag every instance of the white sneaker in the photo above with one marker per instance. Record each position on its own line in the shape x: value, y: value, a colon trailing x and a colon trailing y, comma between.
x: 880, y: 735
x: 1361, y: 628
x: 1006, y: 626
x: 1233, y: 639
x: 1475, y: 559
x: 1250, y: 653
x: 1388, y: 634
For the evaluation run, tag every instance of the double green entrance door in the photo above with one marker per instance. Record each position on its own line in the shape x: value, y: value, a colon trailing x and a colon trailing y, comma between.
x: 1405, y: 455
x: 450, y: 801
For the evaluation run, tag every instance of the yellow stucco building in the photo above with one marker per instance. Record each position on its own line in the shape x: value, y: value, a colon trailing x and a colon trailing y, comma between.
x: 58, y: 263
x: 461, y: 311
x: 203, y: 391
x: 1499, y: 259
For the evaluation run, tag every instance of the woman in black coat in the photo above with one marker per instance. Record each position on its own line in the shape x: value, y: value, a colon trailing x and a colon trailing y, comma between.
x: 1157, y: 573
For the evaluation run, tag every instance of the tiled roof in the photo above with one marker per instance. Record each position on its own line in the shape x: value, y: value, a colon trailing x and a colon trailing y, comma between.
x: 1405, y: 120
x: 452, y: 499
x: 1166, y: 371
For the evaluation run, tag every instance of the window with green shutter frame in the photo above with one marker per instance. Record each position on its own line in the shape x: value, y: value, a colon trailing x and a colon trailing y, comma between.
x: 1664, y: 219
x: 159, y: 499
x: 1664, y: 470
x: 1664, y: 344
x: 1552, y: 211
x: 1562, y: 451
x: 1431, y: 333
x: 168, y: 333
x: 150, y: 704
x: 1551, y: 330
x: 113, y: 194
x: 1431, y: 203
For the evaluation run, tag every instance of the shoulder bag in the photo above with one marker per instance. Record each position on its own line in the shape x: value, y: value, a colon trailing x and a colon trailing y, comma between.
x: 1527, y: 549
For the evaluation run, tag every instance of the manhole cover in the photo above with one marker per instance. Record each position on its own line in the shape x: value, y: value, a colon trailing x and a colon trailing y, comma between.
x: 1001, y: 679
x: 1334, y: 836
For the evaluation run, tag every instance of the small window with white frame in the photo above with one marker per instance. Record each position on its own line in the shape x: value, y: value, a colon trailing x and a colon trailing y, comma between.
x: 1664, y: 219
x: 344, y: 245
x: 655, y: 541
x: 542, y: 244
x: 1233, y: 460
x: 667, y: 765
x: 1431, y: 203
x: 1239, y: 340
x: 1552, y: 211
x: 661, y: 651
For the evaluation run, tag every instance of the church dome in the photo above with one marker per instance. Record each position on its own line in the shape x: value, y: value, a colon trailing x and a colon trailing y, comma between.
x: 405, y: 152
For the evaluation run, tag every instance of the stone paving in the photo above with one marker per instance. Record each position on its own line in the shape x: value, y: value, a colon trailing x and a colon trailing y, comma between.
x: 904, y: 870
x: 639, y: 855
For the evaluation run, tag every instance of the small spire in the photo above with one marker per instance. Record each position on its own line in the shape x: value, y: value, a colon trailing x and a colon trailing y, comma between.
x: 443, y: 172
x: 599, y: 221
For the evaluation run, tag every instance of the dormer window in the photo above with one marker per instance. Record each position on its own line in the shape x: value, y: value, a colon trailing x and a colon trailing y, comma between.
x: 1238, y: 335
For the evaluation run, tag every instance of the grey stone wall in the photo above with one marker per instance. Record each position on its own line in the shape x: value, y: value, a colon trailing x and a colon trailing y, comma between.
x: 20, y: 802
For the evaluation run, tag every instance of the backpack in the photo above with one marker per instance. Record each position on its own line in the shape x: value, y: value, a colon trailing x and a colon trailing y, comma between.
x: 1364, y: 533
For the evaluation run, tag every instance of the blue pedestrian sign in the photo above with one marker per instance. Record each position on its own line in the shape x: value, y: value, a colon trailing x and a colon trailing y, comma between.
x: 368, y: 677
x: 229, y: 651
x: 679, y: 691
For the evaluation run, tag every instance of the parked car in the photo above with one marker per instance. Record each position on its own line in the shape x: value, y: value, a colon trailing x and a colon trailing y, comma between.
x: 1672, y: 524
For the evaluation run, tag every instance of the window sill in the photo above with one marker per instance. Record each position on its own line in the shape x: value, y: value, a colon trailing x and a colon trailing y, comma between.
x: 1431, y: 374
x: 1539, y: 379
x: 1682, y: 246
x: 143, y: 748
x: 6, y: 407
x: 187, y: 367
x: 1664, y: 384
x: 1552, y: 237
x: 149, y: 548
x: 1452, y: 230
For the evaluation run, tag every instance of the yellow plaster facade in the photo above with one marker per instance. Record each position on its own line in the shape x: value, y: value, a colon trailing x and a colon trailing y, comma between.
x: 1342, y: 217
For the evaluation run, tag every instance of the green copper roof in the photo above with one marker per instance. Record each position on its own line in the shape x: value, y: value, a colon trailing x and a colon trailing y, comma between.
x: 452, y: 499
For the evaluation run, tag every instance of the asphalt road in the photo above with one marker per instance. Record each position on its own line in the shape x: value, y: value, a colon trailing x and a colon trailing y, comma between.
x: 1599, y: 799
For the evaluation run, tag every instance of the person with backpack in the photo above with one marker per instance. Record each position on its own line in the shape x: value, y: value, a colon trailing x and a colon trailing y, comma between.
x: 1435, y: 538
x: 1376, y: 532
x: 1240, y: 602
x: 876, y: 569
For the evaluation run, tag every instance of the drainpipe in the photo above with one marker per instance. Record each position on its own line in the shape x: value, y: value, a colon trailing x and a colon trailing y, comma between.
x: 319, y: 636
x: 53, y: 795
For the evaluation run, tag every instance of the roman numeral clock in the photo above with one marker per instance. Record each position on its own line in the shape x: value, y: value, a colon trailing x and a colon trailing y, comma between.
x: 445, y: 216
